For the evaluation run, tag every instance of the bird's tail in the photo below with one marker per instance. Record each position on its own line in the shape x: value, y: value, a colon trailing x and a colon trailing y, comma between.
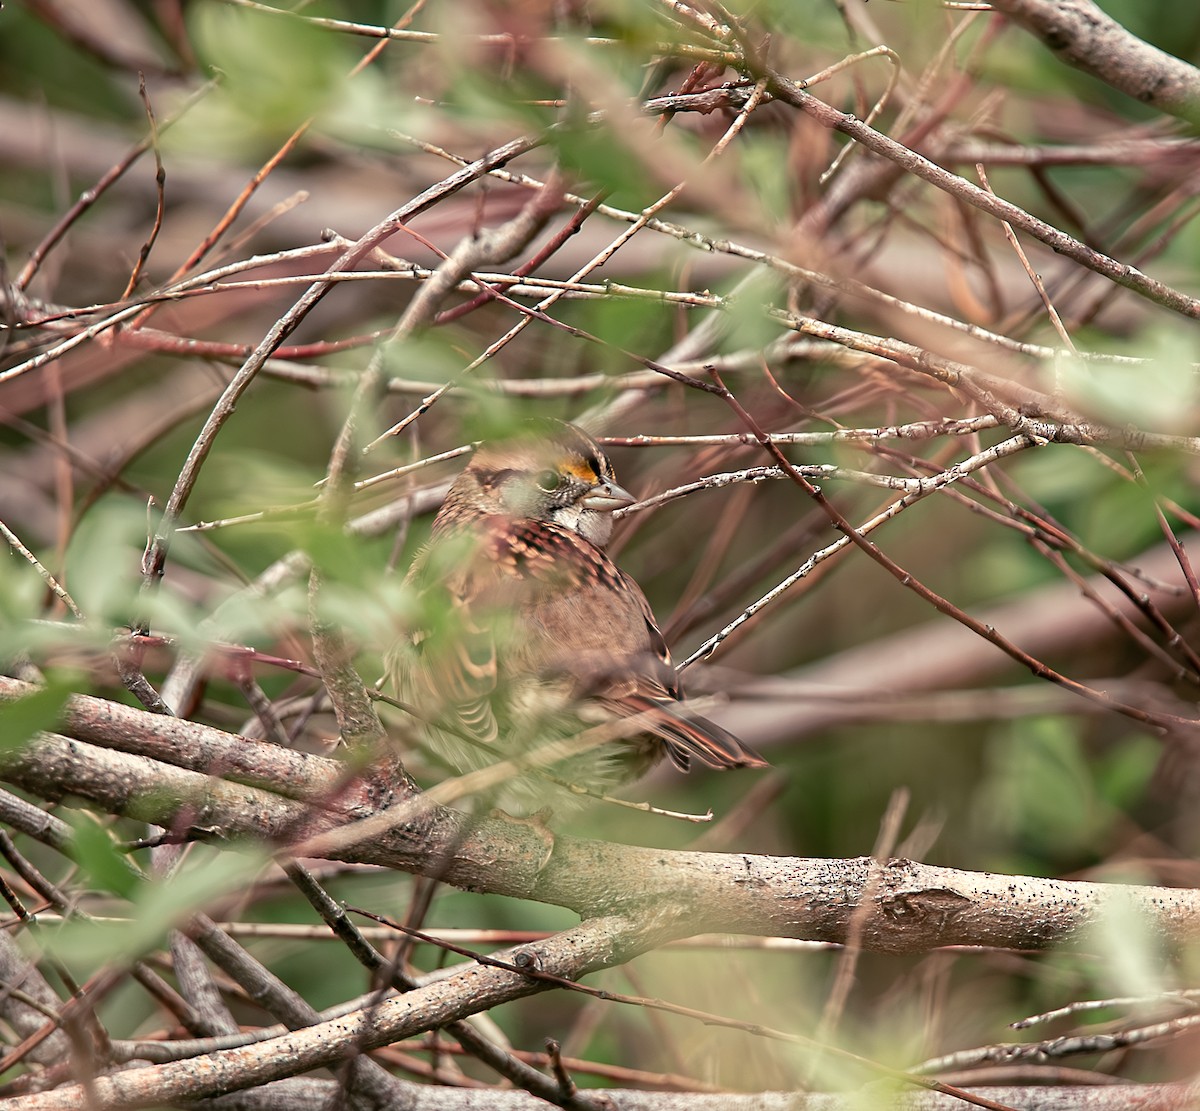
x: 687, y: 734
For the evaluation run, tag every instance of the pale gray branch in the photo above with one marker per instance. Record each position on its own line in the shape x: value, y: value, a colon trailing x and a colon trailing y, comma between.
x: 1084, y: 36
x: 1117, y: 1097
x: 913, y: 907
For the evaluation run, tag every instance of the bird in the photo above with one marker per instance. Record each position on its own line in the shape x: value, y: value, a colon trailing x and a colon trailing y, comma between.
x: 528, y: 632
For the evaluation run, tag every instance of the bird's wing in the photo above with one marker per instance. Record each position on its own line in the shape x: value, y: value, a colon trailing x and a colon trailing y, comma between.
x: 474, y: 588
x: 650, y: 687
x: 454, y: 650
x: 518, y: 568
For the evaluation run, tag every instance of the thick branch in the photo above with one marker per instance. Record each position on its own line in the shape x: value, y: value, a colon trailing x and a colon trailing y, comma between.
x: 912, y: 907
x: 473, y: 988
x: 54, y: 767
x: 317, y: 1094
x: 1087, y: 38
x: 193, y: 747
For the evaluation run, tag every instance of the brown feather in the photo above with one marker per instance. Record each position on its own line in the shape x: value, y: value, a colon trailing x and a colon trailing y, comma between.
x: 535, y: 605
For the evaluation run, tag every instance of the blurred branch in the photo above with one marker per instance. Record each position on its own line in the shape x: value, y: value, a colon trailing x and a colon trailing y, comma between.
x: 940, y: 655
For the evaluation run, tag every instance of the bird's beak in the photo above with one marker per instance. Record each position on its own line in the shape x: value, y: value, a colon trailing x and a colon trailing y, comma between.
x: 607, y: 496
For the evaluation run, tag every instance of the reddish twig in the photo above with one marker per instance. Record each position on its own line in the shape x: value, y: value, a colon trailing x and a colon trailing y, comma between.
x: 160, y: 177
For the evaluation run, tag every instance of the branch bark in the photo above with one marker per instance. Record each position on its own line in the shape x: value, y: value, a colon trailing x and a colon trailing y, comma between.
x: 1085, y: 37
x: 473, y: 988
x: 1117, y: 1097
x: 913, y: 907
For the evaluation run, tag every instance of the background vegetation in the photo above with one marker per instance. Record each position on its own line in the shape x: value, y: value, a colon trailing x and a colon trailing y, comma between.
x: 663, y: 233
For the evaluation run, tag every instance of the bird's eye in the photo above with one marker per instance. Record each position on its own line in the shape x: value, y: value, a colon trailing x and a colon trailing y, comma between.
x: 548, y: 481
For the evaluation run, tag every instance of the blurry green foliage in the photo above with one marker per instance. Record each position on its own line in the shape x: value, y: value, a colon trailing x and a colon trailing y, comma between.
x: 473, y: 93
x: 768, y: 173
x: 1133, y: 959
x: 1048, y: 804
x: 274, y: 73
x: 628, y: 324
x: 1159, y: 394
x: 103, y: 560
x: 104, y: 866
x: 438, y: 356
x: 745, y: 325
x: 1169, y: 26
x: 636, y: 22
x: 205, y: 877
x: 35, y: 59
x: 21, y: 718
x: 597, y: 154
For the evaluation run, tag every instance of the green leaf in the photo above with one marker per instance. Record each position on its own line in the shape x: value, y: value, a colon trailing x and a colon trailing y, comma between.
x: 274, y: 72
x: 1158, y: 394
x: 206, y: 876
x: 104, y: 865
x: 600, y: 156
x: 21, y: 718
x: 1131, y: 957
x: 103, y: 565
x: 1040, y: 793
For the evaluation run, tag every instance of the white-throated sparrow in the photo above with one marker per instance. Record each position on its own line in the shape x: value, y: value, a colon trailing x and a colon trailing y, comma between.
x: 530, y: 633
